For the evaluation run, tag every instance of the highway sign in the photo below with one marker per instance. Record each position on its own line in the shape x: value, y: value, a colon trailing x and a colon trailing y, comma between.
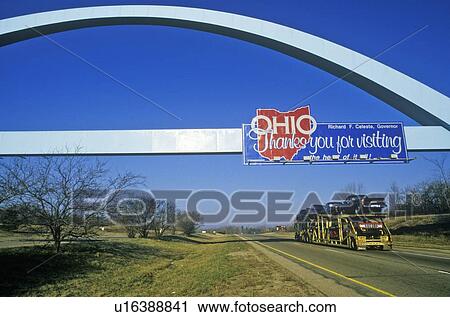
x: 276, y: 137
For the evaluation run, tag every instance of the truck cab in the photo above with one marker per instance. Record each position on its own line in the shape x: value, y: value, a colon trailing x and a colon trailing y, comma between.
x: 370, y: 231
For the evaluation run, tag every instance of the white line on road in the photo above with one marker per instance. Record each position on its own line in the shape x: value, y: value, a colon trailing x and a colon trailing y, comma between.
x: 426, y: 255
x: 331, y: 250
x: 443, y: 272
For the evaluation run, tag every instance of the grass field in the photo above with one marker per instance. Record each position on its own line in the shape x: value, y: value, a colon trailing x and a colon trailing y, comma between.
x: 422, y: 241
x: 200, y: 266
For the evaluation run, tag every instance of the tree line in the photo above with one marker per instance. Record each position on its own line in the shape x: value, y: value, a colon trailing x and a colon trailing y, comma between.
x: 431, y: 196
x: 39, y: 195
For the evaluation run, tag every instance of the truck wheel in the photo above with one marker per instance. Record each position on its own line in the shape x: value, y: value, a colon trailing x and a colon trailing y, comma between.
x: 353, y: 244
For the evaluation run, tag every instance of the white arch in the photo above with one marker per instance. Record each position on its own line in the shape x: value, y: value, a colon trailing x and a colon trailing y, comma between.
x: 420, y: 102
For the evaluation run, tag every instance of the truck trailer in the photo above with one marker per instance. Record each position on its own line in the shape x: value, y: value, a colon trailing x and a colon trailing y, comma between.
x: 356, y: 223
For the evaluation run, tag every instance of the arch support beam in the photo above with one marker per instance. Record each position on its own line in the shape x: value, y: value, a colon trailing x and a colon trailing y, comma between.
x: 162, y: 142
x: 420, y: 102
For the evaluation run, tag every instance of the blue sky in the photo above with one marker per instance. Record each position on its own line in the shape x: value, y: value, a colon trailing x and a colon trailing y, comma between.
x: 211, y: 81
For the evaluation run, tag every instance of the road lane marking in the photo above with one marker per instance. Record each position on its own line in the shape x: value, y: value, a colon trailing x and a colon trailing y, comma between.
x: 408, y: 261
x: 331, y: 271
x: 373, y: 288
x: 331, y: 250
x: 426, y: 255
x: 444, y: 272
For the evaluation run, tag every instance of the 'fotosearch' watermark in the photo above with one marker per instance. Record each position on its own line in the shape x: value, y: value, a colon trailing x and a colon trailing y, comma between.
x: 134, y: 207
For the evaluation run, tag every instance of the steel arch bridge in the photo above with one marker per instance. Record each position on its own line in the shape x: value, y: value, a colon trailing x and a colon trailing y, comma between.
x: 425, y: 105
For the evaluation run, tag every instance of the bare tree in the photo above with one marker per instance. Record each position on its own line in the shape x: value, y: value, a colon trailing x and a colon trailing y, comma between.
x: 188, y: 222
x: 443, y: 175
x: 164, y: 218
x: 49, y: 185
x: 137, y: 217
x: 131, y: 231
x: 394, y: 197
x: 353, y: 188
x: 8, y: 187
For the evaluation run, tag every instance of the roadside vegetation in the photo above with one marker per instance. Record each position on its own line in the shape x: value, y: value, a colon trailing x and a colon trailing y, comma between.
x: 46, y: 195
x: 425, y: 231
x: 200, y: 265
x: 424, y: 225
x: 429, y: 197
x: 71, y: 198
x: 421, y: 241
x: 53, y: 244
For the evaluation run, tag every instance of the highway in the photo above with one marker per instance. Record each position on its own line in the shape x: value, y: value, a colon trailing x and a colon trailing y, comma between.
x: 401, y: 272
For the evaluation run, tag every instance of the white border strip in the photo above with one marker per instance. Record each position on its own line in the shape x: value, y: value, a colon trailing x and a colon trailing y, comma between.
x: 176, y: 141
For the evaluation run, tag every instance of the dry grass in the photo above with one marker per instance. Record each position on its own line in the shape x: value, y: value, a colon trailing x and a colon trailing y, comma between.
x: 199, y: 266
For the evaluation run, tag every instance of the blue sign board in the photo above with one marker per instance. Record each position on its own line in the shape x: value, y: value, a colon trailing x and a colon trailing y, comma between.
x: 328, y: 143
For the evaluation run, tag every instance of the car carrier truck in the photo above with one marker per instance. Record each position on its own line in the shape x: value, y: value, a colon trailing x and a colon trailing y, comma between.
x: 356, y: 223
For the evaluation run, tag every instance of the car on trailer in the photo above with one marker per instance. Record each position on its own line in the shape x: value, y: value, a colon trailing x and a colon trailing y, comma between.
x: 356, y: 223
